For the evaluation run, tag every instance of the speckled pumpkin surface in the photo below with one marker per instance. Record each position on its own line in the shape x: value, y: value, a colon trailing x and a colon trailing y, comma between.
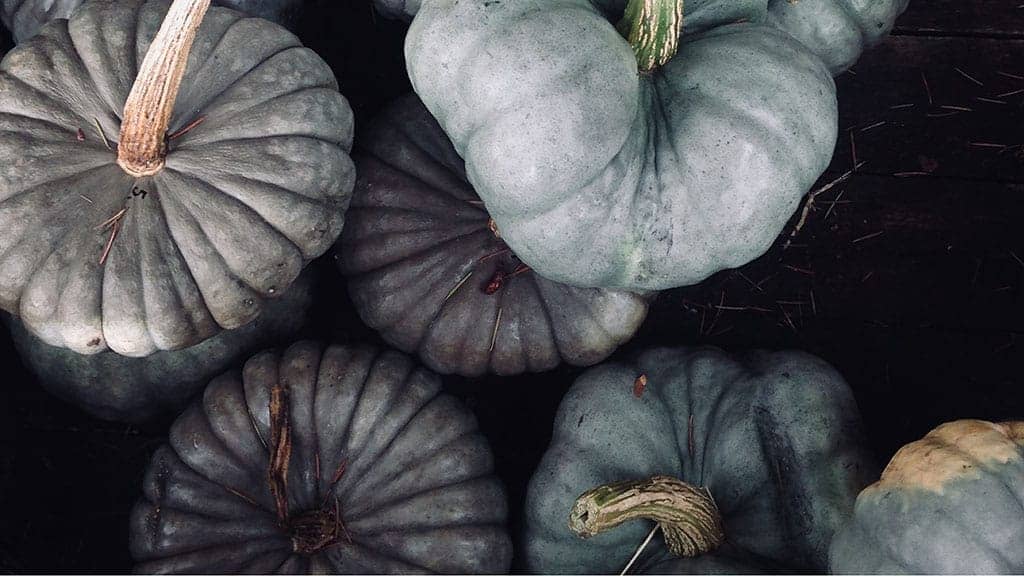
x: 386, y: 474
x: 950, y: 503
x: 425, y: 269
x: 114, y: 387
x: 92, y: 258
x: 24, y: 18
x: 775, y: 437
x: 837, y: 31
x: 600, y: 176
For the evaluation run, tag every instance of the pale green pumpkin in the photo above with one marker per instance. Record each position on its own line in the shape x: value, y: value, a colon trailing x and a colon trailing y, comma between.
x: 598, y: 175
x: 775, y: 437
x: 950, y: 503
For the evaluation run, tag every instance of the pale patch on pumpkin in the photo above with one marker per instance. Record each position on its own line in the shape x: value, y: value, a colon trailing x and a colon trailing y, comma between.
x: 952, y: 451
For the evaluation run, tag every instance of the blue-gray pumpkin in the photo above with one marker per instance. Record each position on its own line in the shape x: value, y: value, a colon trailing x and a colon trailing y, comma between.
x: 105, y: 246
x: 135, y: 390
x: 24, y: 18
x: 313, y: 460
x: 950, y: 503
x: 427, y: 271
x: 598, y: 175
x: 775, y: 437
x: 838, y: 31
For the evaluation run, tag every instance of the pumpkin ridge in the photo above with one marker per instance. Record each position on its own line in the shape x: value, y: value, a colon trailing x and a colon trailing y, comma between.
x: 86, y: 143
x: 187, y: 219
x: 103, y: 95
x: 187, y: 140
x: 368, y: 511
x: 308, y: 251
x: 176, y: 123
x: 549, y: 320
x: 280, y: 240
x: 442, y: 191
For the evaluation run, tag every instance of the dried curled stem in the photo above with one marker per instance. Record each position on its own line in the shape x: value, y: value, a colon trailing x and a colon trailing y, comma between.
x: 147, y: 112
x: 653, y: 28
x: 688, y: 516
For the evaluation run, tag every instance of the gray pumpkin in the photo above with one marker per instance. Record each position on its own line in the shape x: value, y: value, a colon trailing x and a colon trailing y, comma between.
x: 115, y: 387
x: 950, y: 503
x: 392, y: 468
x: 93, y: 258
x: 398, y: 9
x: 600, y: 176
x: 426, y: 271
x: 775, y: 437
x: 24, y: 18
x: 836, y: 30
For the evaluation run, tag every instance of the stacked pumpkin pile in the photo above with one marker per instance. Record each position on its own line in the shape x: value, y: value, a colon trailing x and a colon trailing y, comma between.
x: 168, y: 170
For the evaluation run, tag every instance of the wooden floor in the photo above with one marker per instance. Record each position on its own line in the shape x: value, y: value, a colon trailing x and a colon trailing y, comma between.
x: 905, y: 269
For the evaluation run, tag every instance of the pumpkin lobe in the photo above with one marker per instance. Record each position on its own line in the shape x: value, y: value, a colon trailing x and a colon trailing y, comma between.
x: 687, y: 516
x: 653, y: 28
x: 142, y: 150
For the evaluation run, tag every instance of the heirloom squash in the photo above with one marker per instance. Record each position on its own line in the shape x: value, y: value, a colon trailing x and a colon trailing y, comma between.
x: 774, y: 437
x: 600, y: 172
x: 115, y: 387
x: 344, y: 460
x: 24, y: 18
x: 208, y: 203
x: 950, y: 503
x: 836, y: 30
x: 426, y: 271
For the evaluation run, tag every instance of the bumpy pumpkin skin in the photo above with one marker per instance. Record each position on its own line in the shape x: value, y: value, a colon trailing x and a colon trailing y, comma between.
x: 419, y: 257
x: 417, y: 493
x: 838, y: 31
x: 776, y: 437
x: 950, y: 503
x: 135, y: 390
x: 598, y: 176
x: 246, y: 199
x: 24, y: 18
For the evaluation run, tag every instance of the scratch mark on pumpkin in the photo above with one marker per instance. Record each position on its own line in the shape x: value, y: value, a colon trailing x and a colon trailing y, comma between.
x: 114, y: 223
x: 187, y: 128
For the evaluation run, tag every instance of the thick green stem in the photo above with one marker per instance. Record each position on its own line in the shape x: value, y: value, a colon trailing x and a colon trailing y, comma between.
x: 688, y: 516
x: 653, y: 28
x: 147, y: 112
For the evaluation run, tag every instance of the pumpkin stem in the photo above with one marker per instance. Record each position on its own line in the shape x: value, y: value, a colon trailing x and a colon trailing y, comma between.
x: 653, y: 28
x: 147, y: 112
x: 687, y: 516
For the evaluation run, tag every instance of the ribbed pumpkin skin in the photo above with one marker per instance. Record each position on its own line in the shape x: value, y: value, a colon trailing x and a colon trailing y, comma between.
x: 24, y: 18
x: 951, y: 503
x: 246, y: 199
x: 776, y: 437
x: 417, y: 495
x: 419, y: 255
x: 598, y: 176
x: 838, y: 31
x: 134, y: 390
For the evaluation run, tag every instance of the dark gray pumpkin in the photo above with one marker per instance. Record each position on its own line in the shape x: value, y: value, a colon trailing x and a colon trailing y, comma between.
x: 415, y: 491
x: 247, y: 198
x: 950, y: 503
x: 776, y: 437
x: 24, y: 18
x: 425, y: 270
x: 115, y: 387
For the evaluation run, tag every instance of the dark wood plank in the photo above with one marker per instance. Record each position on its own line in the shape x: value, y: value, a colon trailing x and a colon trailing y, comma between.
x: 993, y: 18
x: 947, y: 106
